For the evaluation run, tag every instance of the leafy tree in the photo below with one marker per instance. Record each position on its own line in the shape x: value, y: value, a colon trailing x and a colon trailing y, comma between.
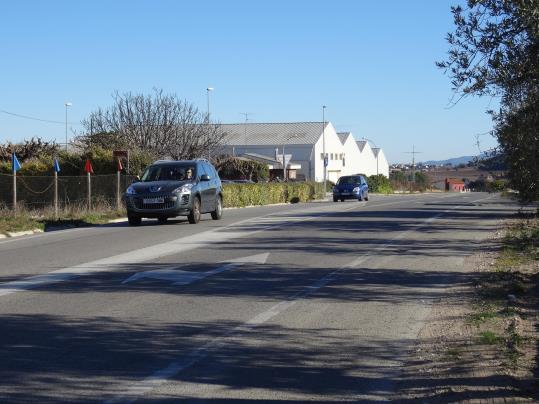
x: 29, y: 149
x: 398, y: 180
x: 421, y: 180
x: 494, y: 51
x: 235, y: 168
x: 160, y: 124
x: 379, y: 184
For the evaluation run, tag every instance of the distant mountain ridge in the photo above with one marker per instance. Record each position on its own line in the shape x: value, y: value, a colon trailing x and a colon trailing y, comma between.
x: 454, y: 161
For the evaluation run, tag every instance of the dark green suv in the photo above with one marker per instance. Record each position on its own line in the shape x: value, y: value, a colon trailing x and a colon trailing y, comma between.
x: 171, y: 188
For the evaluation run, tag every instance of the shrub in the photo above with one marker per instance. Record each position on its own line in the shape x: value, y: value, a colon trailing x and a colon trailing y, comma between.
x: 240, y: 195
x: 379, y: 184
x: 236, y: 168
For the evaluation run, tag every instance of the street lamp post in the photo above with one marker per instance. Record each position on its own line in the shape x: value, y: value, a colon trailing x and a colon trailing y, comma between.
x: 67, y: 104
x: 208, y: 100
x: 369, y: 140
x: 324, y: 145
x: 208, y: 116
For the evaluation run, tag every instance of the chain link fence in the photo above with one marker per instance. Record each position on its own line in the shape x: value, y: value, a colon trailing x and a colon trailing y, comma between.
x: 37, y: 192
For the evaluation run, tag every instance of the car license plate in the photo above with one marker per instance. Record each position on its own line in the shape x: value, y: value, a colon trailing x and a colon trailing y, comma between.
x: 346, y: 193
x: 153, y: 200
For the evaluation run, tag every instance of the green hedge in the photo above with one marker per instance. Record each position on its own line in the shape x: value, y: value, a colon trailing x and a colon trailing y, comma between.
x: 379, y: 184
x: 240, y: 195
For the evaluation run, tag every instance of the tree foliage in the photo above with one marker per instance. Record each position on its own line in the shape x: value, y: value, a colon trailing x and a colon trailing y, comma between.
x: 158, y: 123
x: 494, y: 51
x: 379, y: 184
x: 29, y: 149
x: 237, y: 168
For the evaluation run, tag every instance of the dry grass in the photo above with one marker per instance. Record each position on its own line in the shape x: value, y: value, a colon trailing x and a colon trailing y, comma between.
x: 70, y: 216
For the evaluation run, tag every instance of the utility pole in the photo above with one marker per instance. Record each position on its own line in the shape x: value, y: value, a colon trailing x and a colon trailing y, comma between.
x: 413, y: 153
x: 246, y: 114
x: 325, y: 162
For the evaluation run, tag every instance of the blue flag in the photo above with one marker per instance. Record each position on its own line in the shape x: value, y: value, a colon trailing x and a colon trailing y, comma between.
x: 56, y: 166
x: 15, y: 165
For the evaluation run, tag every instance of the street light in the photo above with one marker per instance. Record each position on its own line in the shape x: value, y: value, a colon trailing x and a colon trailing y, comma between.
x: 324, y: 145
x: 208, y: 100
x: 208, y: 116
x: 67, y: 104
x: 369, y: 140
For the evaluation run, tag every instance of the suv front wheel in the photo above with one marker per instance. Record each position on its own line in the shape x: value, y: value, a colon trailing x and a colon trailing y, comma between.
x: 218, y: 212
x: 194, y: 215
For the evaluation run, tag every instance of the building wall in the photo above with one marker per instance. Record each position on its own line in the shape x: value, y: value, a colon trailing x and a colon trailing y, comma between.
x: 334, y: 148
x: 352, y: 157
x: 310, y: 158
x: 382, y: 164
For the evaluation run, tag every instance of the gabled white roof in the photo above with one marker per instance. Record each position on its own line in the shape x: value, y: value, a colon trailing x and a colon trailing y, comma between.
x: 258, y: 134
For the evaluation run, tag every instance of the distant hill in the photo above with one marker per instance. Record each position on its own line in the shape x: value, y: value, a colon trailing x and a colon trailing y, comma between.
x: 454, y: 161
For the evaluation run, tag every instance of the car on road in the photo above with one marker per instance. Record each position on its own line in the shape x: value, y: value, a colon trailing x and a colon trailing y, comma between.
x: 170, y: 188
x: 351, y: 187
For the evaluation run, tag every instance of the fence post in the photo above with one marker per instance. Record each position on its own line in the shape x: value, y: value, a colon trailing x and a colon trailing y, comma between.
x: 15, y: 166
x: 55, y: 194
x: 118, y: 201
x: 14, y: 190
x: 88, y: 169
x: 89, y: 191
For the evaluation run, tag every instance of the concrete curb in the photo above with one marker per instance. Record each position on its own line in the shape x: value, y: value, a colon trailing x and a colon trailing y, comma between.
x: 11, y: 234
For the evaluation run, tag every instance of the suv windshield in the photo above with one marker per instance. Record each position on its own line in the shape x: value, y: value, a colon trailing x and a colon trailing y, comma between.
x: 349, y: 181
x: 169, y: 172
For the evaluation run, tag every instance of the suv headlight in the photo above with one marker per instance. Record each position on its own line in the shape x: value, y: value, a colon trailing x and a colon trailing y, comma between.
x: 356, y: 189
x: 130, y: 191
x: 184, y: 189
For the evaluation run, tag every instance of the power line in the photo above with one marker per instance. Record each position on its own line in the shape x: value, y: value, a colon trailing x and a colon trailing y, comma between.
x: 37, y: 119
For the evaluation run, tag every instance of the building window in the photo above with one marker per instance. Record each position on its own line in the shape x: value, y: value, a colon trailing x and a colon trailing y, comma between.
x: 322, y: 156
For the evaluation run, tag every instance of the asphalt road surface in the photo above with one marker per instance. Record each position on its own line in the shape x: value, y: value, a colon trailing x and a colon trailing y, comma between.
x: 317, y: 302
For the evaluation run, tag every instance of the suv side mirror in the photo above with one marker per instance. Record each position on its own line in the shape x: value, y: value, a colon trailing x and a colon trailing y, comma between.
x: 204, y: 177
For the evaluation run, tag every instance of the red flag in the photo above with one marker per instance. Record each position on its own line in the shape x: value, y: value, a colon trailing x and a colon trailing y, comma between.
x: 88, y: 167
x: 120, y: 167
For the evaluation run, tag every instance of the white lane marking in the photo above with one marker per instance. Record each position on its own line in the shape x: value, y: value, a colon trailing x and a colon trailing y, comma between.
x: 182, y: 278
x: 161, y: 376
x: 175, y: 246
x: 179, y: 245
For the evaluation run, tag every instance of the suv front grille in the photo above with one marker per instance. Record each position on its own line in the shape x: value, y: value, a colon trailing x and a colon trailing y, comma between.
x: 139, y: 203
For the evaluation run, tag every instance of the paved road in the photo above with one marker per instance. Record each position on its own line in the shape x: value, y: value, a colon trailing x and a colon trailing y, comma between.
x: 318, y: 302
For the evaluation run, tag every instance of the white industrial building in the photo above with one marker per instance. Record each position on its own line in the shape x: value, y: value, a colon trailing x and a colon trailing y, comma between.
x: 303, y: 144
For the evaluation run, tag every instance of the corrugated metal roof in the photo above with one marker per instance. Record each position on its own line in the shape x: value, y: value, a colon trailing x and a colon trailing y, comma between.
x: 361, y: 144
x: 256, y: 134
x: 343, y: 136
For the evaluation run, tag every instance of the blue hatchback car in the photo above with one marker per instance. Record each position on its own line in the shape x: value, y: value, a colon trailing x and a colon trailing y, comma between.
x: 351, y: 187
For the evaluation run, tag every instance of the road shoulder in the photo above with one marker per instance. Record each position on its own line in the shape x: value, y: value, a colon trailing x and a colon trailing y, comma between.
x: 479, y: 343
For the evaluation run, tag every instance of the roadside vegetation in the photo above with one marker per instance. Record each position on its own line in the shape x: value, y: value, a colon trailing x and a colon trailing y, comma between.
x: 493, y: 52
x: 505, y: 310
x: 43, y: 220
x: 77, y: 215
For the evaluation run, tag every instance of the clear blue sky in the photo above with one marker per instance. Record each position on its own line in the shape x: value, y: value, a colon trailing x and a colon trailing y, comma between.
x: 370, y: 62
